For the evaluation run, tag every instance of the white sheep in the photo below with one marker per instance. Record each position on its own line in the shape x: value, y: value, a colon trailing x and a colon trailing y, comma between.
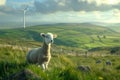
x: 41, y: 55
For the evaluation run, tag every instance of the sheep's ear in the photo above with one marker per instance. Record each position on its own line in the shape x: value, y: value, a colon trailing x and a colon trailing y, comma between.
x: 42, y: 34
x: 55, y: 36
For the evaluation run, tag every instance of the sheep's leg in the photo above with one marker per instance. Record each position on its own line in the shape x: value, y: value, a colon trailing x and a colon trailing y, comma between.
x: 46, y: 66
x: 43, y: 66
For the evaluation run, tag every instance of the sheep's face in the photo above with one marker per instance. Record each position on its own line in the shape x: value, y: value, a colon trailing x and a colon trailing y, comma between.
x: 48, y: 38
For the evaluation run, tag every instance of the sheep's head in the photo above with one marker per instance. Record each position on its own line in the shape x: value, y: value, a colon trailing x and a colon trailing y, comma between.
x: 48, y: 38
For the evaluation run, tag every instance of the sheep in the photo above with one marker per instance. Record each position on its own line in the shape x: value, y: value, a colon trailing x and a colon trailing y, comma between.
x: 41, y: 55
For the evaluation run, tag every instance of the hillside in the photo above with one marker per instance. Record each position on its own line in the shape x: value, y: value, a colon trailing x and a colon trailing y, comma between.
x: 70, y: 59
x: 82, y: 35
x: 113, y: 26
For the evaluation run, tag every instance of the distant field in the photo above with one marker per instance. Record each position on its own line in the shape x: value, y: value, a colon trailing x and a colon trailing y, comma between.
x: 115, y: 28
x: 83, y: 36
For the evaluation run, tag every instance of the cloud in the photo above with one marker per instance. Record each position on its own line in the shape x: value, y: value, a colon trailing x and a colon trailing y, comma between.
x: 73, y: 17
x: 97, y: 14
x: 116, y: 13
x: 61, y: 11
x: 20, y: 3
x: 9, y: 10
x: 2, y: 2
x: 51, y: 6
x: 105, y: 2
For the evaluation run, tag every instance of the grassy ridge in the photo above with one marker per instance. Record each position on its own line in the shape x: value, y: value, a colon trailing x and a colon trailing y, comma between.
x: 72, y: 35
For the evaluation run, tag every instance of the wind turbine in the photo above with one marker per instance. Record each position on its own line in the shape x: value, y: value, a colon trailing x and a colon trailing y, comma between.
x: 24, y: 20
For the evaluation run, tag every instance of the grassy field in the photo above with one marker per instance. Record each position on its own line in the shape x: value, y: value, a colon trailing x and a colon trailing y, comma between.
x: 61, y: 67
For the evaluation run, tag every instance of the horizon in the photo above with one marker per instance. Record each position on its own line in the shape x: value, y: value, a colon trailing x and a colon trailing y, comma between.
x: 10, y: 25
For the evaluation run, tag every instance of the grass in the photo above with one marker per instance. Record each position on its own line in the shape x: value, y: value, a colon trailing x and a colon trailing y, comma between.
x: 61, y: 67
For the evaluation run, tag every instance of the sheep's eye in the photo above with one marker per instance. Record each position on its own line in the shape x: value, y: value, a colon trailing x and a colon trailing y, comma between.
x: 47, y: 36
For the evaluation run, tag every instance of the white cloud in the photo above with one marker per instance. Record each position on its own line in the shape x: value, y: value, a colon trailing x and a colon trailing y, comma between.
x: 2, y: 2
x: 111, y: 21
x: 116, y: 13
x: 100, y: 2
x: 76, y: 17
x: 97, y: 14
x: 61, y: 4
x: 82, y: 12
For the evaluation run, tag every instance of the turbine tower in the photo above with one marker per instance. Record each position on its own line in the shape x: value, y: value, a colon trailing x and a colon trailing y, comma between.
x: 24, y: 20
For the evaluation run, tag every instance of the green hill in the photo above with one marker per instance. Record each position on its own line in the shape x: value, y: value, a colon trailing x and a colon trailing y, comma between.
x: 69, y: 60
x: 82, y: 35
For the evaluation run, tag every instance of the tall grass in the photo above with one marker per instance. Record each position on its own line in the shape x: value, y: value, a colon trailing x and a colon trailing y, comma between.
x: 61, y: 67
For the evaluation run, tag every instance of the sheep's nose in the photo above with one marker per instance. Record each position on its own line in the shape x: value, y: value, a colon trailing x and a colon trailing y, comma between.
x: 52, y: 41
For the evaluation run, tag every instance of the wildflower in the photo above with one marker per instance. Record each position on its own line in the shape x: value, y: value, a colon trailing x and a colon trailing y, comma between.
x: 100, y: 78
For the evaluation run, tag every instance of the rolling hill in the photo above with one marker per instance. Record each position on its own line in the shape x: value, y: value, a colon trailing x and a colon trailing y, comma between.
x: 70, y: 63
x: 84, y: 35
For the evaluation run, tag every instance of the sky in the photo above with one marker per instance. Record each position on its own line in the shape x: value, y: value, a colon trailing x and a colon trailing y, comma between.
x: 60, y: 11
